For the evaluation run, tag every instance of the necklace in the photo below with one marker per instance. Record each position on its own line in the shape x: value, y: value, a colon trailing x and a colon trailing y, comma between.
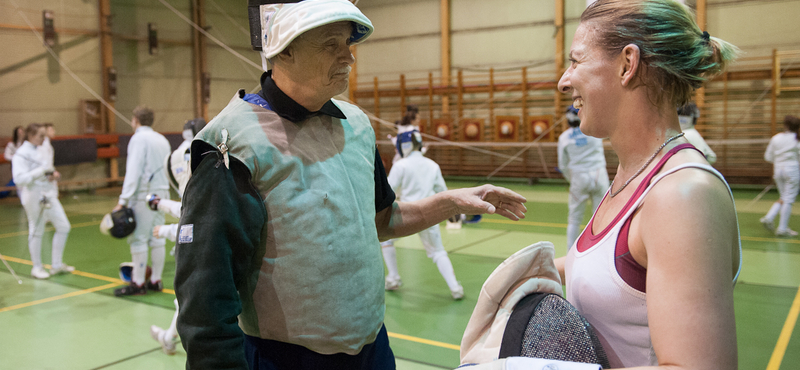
x: 652, y: 157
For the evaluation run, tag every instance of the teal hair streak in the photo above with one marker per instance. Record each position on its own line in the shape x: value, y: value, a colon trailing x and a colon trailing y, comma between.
x: 669, y: 40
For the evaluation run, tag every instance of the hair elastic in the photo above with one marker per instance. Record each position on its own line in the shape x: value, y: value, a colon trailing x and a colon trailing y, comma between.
x: 706, y: 37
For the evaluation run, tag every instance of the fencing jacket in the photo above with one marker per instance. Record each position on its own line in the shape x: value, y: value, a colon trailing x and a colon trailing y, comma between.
x: 783, y: 150
x: 579, y: 153
x: 530, y: 270
x: 28, y: 169
x: 416, y: 177
x: 278, y: 230
x: 144, y: 172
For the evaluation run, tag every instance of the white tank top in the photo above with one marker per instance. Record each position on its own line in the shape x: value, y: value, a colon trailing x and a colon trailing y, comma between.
x: 617, y: 311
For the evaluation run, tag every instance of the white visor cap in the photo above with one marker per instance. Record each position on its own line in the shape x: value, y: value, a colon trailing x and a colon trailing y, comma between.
x: 282, y: 23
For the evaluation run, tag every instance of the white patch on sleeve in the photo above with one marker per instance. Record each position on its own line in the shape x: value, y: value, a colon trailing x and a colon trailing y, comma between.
x: 186, y: 234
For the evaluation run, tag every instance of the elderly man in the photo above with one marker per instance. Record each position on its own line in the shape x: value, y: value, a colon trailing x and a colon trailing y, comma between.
x: 279, y: 236
x: 144, y: 174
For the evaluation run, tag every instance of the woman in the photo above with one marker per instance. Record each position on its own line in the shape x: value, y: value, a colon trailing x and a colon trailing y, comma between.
x: 33, y: 171
x: 17, y: 138
x: 782, y: 151
x: 654, y: 270
x: 14, y: 144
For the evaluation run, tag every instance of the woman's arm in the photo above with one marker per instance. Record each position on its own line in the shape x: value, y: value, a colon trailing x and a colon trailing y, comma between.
x: 687, y: 229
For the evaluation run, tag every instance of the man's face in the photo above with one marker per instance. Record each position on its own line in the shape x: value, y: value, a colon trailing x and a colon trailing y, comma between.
x: 322, y: 58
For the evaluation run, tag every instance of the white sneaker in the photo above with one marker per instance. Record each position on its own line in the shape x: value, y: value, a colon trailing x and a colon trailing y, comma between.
x: 167, y: 344
x: 458, y: 294
x: 39, y: 273
x: 768, y: 224
x: 392, y: 283
x: 787, y: 233
x: 63, y: 269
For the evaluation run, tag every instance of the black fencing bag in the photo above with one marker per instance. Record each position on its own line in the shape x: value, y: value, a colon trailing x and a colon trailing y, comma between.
x: 545, y: 325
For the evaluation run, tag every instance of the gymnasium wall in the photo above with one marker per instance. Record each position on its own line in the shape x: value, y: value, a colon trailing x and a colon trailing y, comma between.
x: 516, y: 33
x: 505, y: 35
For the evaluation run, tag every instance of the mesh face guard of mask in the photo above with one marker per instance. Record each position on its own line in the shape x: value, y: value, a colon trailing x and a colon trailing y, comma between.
x: 545, y: 325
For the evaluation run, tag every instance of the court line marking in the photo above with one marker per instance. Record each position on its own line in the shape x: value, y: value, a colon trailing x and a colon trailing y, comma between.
x: 113, y: 282
x: 81, y: 273
x: 465, y: 246
x: 58, y: 297
x: 527, y: 223
x: 49, y: 228
x: 424, y: 341
x: 548, y: 224
x: 760, y: 239
x: 786, y: 334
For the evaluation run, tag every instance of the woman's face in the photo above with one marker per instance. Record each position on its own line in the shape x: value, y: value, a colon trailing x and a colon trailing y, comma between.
x: 38, y: 138
x: 20, y: 133
x: 592, y: 82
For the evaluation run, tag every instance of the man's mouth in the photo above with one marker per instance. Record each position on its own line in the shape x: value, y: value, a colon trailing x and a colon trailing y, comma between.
x: 344, y: 71
x: 577, y: 103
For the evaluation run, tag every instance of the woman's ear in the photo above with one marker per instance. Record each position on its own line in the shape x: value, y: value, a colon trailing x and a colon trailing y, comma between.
x: 630, y: 60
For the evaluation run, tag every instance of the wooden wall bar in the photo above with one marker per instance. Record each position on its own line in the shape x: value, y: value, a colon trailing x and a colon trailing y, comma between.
x: 745, y: 105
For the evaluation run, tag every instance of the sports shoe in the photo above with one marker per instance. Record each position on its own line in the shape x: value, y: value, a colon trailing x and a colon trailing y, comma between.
x: 458, y: 294
x: 132, y: 289
x: 39, y: 273
x: 768, y: 224
x: 156, y: 287
x: 63, y: 269
x: 392, y: 283
x: 160, y: 336
x: 786, y: 233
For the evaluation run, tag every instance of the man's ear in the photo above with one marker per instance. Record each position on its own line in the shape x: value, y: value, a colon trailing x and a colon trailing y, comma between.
x: 286, y: 55
x: 630, y: 61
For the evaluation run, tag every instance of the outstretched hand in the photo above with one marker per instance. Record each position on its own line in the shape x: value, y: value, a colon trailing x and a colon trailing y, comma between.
x: 490, y: 199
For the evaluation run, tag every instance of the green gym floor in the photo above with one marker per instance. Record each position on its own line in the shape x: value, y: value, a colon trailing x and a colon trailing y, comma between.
x: 75, y: 322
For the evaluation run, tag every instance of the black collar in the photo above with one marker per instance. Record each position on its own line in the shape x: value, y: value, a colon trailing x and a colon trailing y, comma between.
x: 289, y: 109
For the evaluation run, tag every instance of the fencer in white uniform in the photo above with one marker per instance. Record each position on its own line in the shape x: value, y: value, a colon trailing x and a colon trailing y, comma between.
x: 412, y: 178
x: 144, y: 174
x: 687, y: 116
x: 179, y: 171
x: 783, y: 152
x: 33, y: 171
x: 583, y: 163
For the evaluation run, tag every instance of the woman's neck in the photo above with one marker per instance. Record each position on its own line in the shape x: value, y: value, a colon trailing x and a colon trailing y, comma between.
x: 640, y: 134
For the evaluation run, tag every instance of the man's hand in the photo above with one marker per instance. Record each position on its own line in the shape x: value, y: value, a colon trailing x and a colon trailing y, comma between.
x: 117, y: 208
x: 155, y: 231
x: 489, y: 199
x: 55, y: 176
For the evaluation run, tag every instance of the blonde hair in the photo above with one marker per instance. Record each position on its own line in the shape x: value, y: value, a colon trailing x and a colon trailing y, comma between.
x: 676, y: 55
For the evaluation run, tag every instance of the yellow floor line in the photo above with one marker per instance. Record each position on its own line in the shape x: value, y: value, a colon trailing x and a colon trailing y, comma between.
x: 49, y: 228
x: 773, y: 240
x: 117, y: 282
x: 424, y: 341
x: 73, y: 294
x: 527, y: 223
x: 786, y: 334
x: 547, y: 224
